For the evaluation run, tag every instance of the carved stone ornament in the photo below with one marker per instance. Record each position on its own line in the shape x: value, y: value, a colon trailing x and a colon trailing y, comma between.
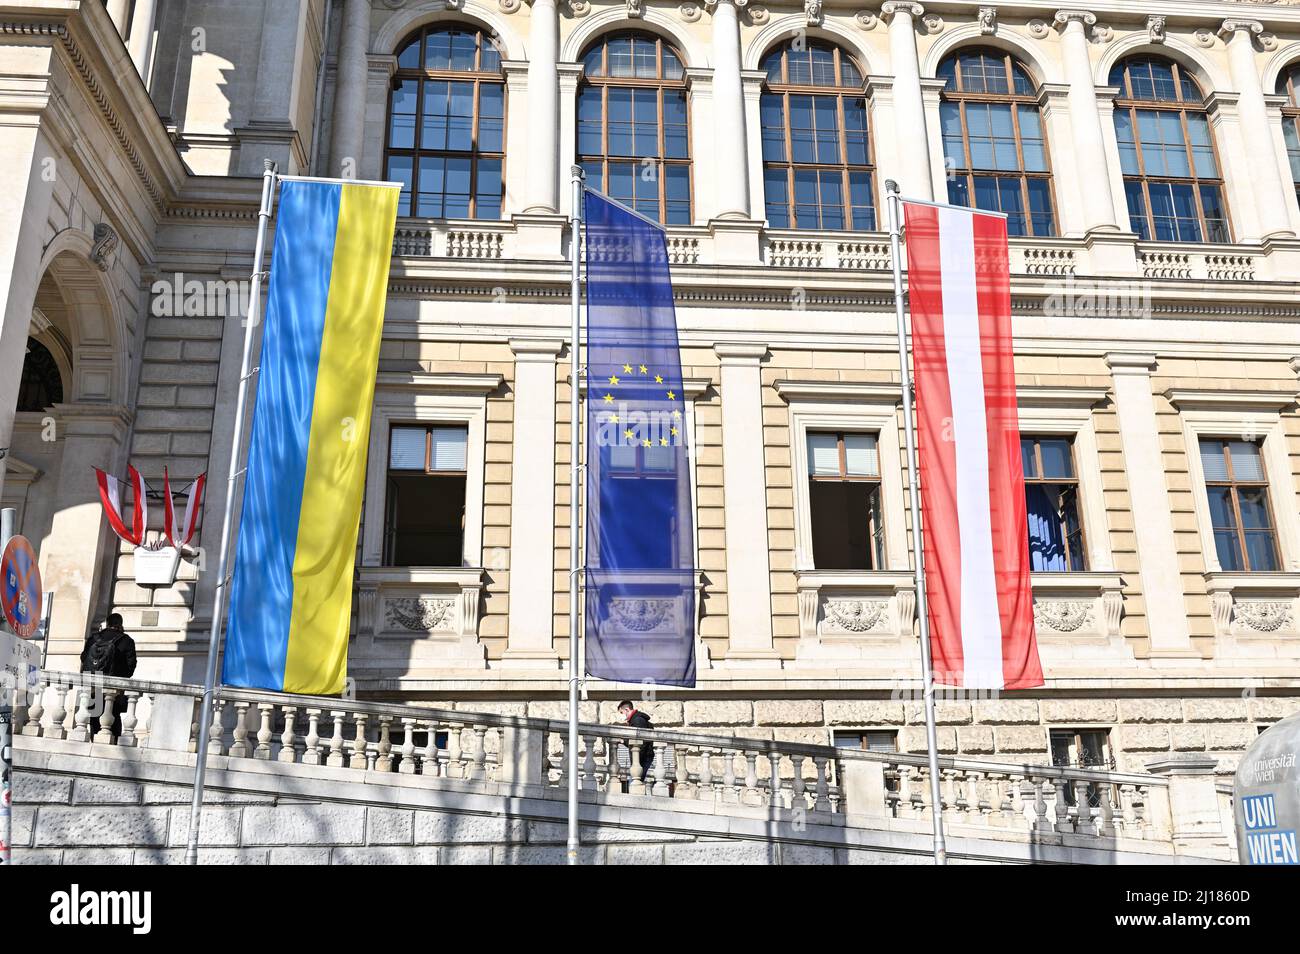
x: 509, y: 6
x: 419, y: 615
x: 855, y: 616
x: 1039, y: 29
x: 1156, y: 29
x: 641, y: 616
x: 1063, y: 616
x: 1203, y: 37
x: 579, y: 8
x: 933, y: 23
x: 988, y: 20
x: 1263, y: 616
x: 757, y: 15
x: 105, y: 244
x: 1102, y: 34
x: 634, y: 10
x: 690, y: 12
x: 866, y: 20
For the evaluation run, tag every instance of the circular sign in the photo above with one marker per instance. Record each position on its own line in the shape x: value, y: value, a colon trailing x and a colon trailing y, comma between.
x: 20, y: 587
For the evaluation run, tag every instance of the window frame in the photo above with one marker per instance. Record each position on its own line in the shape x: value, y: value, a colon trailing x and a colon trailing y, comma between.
x: 1037, y: 437
x: 1233, y: 486
x: 1015, y: 100
x: 422, y: 76
x: 1288, y: 85
x: 660, y: 83
x: 390, y: 473
x: 785, y: 89
x: 1129, y: 104
x: 876, y: 534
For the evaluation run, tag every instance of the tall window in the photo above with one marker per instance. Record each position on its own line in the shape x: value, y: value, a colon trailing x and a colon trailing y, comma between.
x: 1289, y: 86
x: 993, y: 141
x: 844, y: 500
x: 1052, y: 499
x: 424, y: 517
x: 817, y: 155
x: 1237, y: 488
x: 633, y: 127
x: 1171, y: 175
x: 446, y: 117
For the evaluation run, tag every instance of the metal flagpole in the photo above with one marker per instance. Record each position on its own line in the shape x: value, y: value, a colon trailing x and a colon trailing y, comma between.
x: 234, y: 473
x: 576, y: 665
x: 922, y: 608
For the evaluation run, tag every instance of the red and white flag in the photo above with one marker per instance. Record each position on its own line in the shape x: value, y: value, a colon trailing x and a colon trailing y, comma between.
x: 180, y: 534
x: 110, y: 494
x: 972, y: 486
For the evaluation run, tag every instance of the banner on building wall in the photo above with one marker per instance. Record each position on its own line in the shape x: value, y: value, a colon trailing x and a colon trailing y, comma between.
x: 291, y: 593
x: 640, y: 550
x: 972, y: 486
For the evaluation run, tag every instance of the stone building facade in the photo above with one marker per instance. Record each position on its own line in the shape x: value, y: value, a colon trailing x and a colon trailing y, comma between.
x: 1154, y: 300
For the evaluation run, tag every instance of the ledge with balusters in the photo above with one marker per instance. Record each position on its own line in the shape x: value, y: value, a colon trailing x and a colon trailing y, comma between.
x: 1178, y: 809
x: 1118, y: 255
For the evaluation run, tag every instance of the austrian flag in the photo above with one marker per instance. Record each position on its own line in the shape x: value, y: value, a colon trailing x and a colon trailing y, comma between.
x: 972, y: 487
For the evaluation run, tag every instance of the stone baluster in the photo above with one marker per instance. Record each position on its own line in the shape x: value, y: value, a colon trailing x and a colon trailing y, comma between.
x: 1041, y: 822
x: 1105, y: 817
x: 18, y: 718
x: 635, y: 784
x: 311, y: 750
x: 821, y: 796
x: 1140, y: 810
x: 660, y: 768
x: 287, y: 737
x: 335, y: 757
x: 998, y: 807
x: 1061, y: 806
x: 798, y: 799
x: 239, y: 734
x: 408, y: 765
x: 384, y: 755
x: 958, y: 782
x: 588, y: 780
x: 455, y: 751
x: 477, y: 756
x: 774, y: 796
x: 1128, y: 817
x: 681, y: 772
x: 429, y: 763
x: 730, y: 787
x: 620, y: 772
x: 359, y: 746
x: 105, y: 734
x: 752, y: 795
x: 81, y: 717
x: 704, y: 787
x: 264, y: 733
x: 1082, y: 808
x: 36, y: 708
x: 1014, y: 805
x: 130, y: 720
x: 216, y: 731
x: 58, y: 712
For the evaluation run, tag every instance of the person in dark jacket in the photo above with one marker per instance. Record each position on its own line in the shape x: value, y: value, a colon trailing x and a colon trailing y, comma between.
x: 637, y: 719
x: 110, y: 652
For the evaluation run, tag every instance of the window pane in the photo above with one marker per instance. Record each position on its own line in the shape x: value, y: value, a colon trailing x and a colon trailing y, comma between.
x: 950, y: 125
x: 401, y: 126
x: 487, y: 203
x: 589, y: 122
x: 1046, y: 536
x: 1031, y: 139
x: 1128, y: 157
x: 1227, y: 550
x: 399, y: 170
x: 776, y: 193
x: 491, y: 110
x: 1028, y: 462
x: 823, y: 455
x: 1040, y: 207
x: 1056, y: 458
x: 1260, y: 549
x: 1198, y: 130
x: 1254, y: 508
x: 1222, y: 515
x: 1137, y: 214
x: 448, y: 451
x: 406, y: 448
x: 861, y: 455
x: 842, y: 513
x: 771, y: 111
x: 1246, y: 461
x: 1213, y: 463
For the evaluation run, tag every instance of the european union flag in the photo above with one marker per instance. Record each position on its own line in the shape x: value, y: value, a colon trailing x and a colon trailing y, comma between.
x: 640, y: 621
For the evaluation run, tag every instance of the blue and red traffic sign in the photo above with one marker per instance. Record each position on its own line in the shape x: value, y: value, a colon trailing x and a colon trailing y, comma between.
x: 20, y: 587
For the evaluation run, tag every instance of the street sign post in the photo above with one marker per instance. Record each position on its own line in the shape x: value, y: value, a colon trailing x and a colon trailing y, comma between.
x: 20, y: 598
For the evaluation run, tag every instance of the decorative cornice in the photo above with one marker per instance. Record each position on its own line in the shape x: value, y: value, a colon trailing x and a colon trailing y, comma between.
x: 427, y: 381
x: 839, y: 391
x: 1236, y: 399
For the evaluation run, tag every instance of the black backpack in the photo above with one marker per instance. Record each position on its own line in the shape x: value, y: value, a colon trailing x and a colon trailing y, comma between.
x: 102, y: 653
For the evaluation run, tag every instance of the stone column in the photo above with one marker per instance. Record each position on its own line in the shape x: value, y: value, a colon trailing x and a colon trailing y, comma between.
x: 1257, y: 134
x: 1157, y: 553
x: 749, y: 587
x: 140, y: 42
x: 532, y: 506
x: 349, y: 116
x: 730, y: 162
x: 1192, y: 814
x: 570, y: 75
x: 542, y: 182
x: 119, y: 11
x: 270, y: 132
x: 909, y: 106
x: 1092, y: 177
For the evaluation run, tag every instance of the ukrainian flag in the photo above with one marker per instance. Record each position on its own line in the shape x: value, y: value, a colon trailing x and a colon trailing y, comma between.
x: 291, y: 595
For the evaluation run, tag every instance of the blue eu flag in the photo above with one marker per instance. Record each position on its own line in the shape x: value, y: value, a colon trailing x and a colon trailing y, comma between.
x: 640, y: 621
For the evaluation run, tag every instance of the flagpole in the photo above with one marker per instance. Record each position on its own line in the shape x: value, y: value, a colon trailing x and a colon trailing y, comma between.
x: 576, y: 665
x: 894, y: 201
x: 233, y: 475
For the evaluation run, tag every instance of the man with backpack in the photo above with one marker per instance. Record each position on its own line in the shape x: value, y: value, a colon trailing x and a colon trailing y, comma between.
x: 110, y: 652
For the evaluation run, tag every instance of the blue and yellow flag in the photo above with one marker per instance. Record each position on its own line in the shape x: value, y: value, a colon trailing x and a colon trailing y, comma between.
x: 291, y: 597
x: 640, y: 621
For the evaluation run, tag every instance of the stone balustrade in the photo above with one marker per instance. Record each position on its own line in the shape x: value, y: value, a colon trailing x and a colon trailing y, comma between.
x: 657, y: 769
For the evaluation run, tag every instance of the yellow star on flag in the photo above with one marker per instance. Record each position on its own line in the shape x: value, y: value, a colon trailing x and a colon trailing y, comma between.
x: 609, y: 399
x: 645, y: 443
x: 644, y: 369
x: 663, y: 442
x: 659, y: 379
x: 627, y: 369
x: 674, y: 432
x: 677, y: 415
x: 613, y: 379
x: 613, y: 419
x: 628, y: 434
x: 672, y: 396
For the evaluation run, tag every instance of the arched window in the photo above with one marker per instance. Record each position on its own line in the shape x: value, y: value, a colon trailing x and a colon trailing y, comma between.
x: 446, y: 116
x: 1289, y: 86
x: 633, y: 131
x: 817, y: 156
x: 40, y: 386
x: 993, y: 143
x: 1171, y: 175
